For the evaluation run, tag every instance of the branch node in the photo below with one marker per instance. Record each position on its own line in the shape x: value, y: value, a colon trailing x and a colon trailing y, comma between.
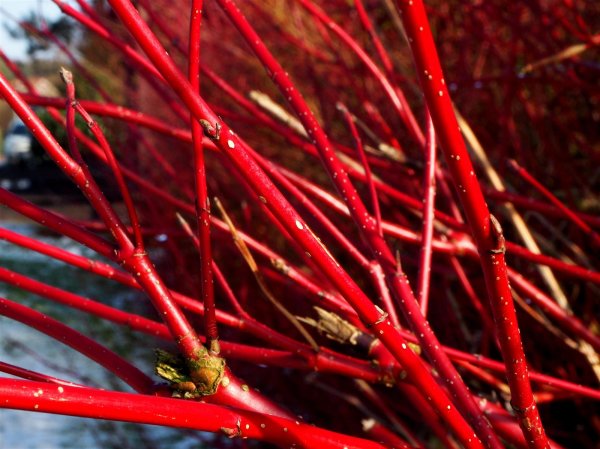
x: 382, y: 317
x: 497, y: 236
x: 210, y: 131
x: 233, y: 433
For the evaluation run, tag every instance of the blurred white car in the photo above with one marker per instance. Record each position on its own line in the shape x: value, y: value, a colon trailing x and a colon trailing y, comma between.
x: 18, y: 142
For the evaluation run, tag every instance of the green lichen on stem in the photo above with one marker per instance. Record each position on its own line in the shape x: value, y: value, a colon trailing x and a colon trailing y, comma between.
x: 192, y: 378
x: 206, y: 372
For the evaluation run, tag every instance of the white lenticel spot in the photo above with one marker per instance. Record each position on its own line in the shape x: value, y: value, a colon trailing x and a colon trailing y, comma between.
x: 299, y: 225
x: 230, y: 144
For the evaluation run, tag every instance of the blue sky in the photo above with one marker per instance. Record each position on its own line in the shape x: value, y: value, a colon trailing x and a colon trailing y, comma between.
x: 20, y: 9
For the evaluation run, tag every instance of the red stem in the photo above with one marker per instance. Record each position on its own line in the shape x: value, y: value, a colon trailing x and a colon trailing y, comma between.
x: 85, y: 345
x: 100, y: 404
x: 428, y: 216
x: 487, y: 234
x: 87, y: 305
x: 32, y: 375
x: 379, y: 47
x: 594, y: 236
x: 531, y: 204
x: 201, y: 196
x: 57, y: 223
x: 114, y: 166
x: 393, y: 92
x: 363, y: 158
